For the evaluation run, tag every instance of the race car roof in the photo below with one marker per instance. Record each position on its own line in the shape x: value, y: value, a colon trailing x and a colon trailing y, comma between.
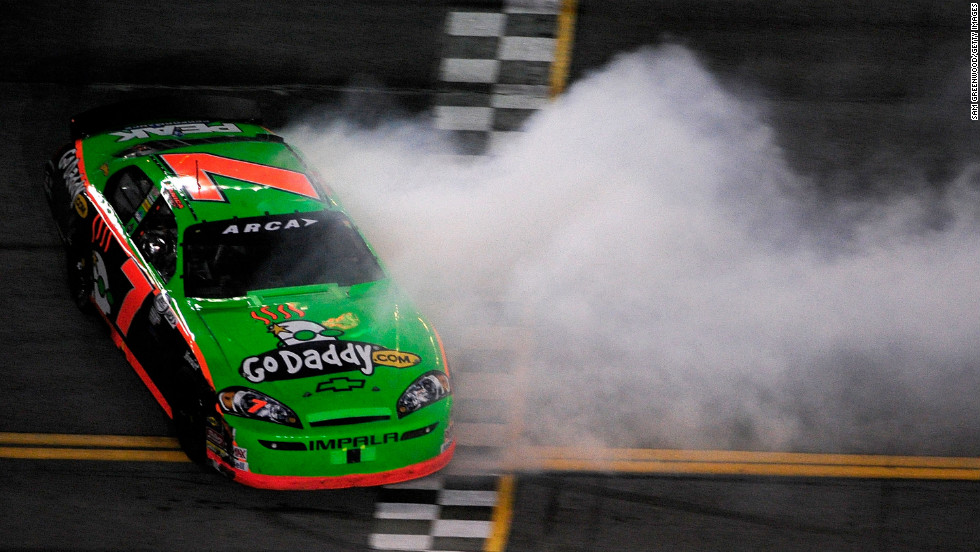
x: 209, y: 170
x: 162, y: 109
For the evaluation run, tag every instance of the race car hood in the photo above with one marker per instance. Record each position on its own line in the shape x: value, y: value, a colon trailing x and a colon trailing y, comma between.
x: 326, y: 351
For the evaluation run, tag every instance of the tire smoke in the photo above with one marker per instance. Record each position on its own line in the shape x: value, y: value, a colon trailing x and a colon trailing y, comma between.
x: 681, y: 285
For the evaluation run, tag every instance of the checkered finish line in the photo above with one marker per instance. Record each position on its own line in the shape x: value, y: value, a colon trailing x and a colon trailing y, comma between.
x: 495, y: 72
x: 435, y: 513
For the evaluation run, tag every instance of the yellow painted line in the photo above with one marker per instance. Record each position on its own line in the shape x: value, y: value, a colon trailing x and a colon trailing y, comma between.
x: 749, y: 463
x: 563, y: 48
x: 754, y: 457
x: 62, y: 446
x: 72, y: 440
x: 118, y: 455
x: 785, y: 470
x: 502, y: 512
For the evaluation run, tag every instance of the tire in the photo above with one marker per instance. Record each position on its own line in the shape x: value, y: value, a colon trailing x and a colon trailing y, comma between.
x: 190, y: 419
x: 58, y: 201
x: 79, y: 269
x: 48, y: 181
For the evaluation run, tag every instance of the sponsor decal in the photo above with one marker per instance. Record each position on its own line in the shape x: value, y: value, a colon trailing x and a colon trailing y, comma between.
x: 175, y: 201
x: 353, y: 442
x: 360, y: 442
x: 100, y: 275
x: 143, y: 210
x: 191, y: 361
x: 311, y: 359
x: 216, y: 441
x: 81, y: 205
x: 177, y: 129
x: 101, y: 234
x: 271, y: 226
x: 346, y: 321
x: 286, y: 310
x: 339, y: 384
x: 241, y: 453
x: 161, y: 311
x: 395, y: 359
x: 70, y: 172
x: 219, y: 436
x: 309, y: 349
x: 297, y: 332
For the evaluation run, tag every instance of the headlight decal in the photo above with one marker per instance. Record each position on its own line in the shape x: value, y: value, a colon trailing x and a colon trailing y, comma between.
x: 249, y: 403
x: 429, y: 388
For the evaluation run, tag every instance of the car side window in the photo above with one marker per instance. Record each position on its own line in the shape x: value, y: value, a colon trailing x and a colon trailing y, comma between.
x: 126, y: 190
x: 156, y: 237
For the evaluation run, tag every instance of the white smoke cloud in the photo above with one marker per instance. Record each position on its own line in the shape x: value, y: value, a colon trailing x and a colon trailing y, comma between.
x: 686, y: 288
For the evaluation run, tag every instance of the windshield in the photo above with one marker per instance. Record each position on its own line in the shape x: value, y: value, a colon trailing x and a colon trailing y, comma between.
x: 228, y: 258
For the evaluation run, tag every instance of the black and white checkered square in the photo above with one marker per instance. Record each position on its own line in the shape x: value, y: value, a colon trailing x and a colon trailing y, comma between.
x: 495, y: 72
x: 435, y: 513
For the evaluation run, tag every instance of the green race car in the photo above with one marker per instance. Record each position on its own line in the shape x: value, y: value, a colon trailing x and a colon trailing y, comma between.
x: 245, y: 298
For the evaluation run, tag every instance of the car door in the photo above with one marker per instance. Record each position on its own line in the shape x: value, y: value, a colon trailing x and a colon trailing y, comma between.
x: 153, y: 231
x: 127, y: 277
x: 121, y: 286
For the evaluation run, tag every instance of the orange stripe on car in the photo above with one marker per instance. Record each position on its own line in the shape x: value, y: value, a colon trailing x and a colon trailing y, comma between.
x: 182, y: 327
x: 140, y: 371
x: 442, y: 351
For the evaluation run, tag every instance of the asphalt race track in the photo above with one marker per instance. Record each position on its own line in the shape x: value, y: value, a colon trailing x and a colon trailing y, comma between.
x: 856, y: 96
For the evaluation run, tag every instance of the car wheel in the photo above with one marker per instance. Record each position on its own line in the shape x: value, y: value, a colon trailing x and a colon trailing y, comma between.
x: 48, y: 181
x: 190, y: 420
x: 59, y: 203
x: 79, y: 265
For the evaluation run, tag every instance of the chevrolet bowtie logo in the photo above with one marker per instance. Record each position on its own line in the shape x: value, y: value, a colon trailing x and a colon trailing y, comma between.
x: 339, y: 384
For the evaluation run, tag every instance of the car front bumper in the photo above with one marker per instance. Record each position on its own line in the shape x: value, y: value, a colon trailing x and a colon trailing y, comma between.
x: 373, y: 454
x: 307, y: 483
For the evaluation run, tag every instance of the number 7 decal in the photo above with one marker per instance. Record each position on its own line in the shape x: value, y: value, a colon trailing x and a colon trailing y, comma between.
x: 132, y: 299
x: 203, y: 167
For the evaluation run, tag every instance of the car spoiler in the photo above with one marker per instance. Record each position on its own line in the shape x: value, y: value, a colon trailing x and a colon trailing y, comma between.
x: 164, y: 109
